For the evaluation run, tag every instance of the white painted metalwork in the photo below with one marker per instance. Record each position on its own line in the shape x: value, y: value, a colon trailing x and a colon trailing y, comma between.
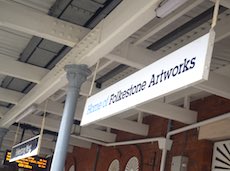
x: 10, y: 96
x: 30, y: 21
x: 221, y: 156
x: 114, y: 165
x: 15, y: 35
x: 116, y: 123
x: 21, y: 70
x: 72, y: 168
x: 133, y: 164
x: 99, y: 42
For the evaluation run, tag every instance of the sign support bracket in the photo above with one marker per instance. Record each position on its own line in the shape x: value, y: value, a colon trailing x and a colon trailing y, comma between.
x: 94, y: 77
x: 215, y: 14
x: 16, y: 134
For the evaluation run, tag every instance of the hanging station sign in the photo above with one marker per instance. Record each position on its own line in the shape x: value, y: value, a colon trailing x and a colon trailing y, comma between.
x: 184, y: 67
x: 26, y: 149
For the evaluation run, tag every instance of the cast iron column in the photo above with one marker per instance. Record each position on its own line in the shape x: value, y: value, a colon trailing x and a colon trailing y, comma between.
x: 76, y: 75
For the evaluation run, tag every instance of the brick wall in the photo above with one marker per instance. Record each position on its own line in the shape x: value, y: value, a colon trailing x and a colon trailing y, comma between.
x: 198, y: 152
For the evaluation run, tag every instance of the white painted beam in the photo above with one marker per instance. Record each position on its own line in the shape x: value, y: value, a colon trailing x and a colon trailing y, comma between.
x: 216, y: 84
x: 10, y: 96
x: 51, y: 107
x: 79, y: 143
x: 139, y: 57
x: 222, y: 31
x: 53, y: 125
x: 128, y: 113
x: 116, y: 123
x: 57, y: 108
x: 11, y: 136
x: 219, y: 130
x: 97, y: 43
x: 3, y: 110
x: 30, y: 21
x: 13, y: 68
x: 30, y: 98
x: 125, y: 125
x: 125, y: 22
x: 34, y: 120
x: 133, y: 56
x: 46, y: 138
x: 169, y: 111
x: 52, y: 144
x: 174, y: 97
x: 97, y: 134
x: 168, y: 20
x: 28, y: 134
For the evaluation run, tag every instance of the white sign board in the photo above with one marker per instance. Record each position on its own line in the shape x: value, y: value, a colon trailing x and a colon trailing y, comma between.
x: 26, y: 149
x: 184, y: 67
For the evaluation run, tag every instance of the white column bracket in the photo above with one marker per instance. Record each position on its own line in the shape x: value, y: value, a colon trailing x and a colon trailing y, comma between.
x: 216, y: 84
x: 169, y: 111
x: 165, y: 144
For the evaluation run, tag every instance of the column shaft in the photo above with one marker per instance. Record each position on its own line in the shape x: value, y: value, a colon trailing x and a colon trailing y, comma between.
x: 76, y: 75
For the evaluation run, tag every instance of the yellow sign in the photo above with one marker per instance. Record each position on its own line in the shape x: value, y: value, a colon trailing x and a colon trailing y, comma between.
x: 28, y: 163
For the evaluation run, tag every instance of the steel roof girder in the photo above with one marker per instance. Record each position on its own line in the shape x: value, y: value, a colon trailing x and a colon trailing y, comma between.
x: 31, y: 21
x: 125, y: 22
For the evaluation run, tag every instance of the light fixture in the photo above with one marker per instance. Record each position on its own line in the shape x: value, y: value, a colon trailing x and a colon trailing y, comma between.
x: 168, y: 6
